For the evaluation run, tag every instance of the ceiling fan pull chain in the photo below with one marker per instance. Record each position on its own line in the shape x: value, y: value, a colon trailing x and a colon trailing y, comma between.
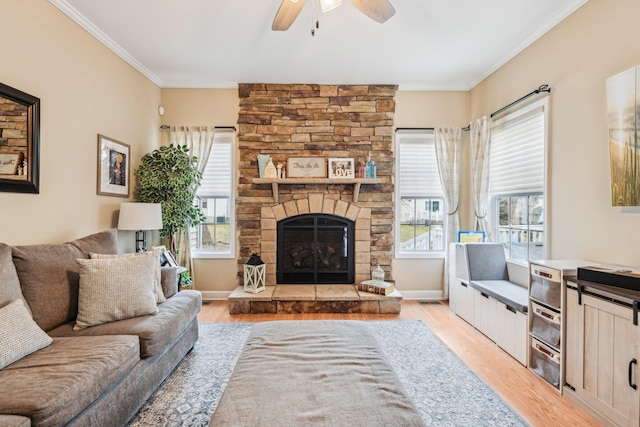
x: 315, y: 20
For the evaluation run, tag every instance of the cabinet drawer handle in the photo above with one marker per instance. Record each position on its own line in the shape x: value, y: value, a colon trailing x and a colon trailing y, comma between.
x: 463, y: 284
x: 547, y: 352
x: 484, y: 295
x: 631, y: 384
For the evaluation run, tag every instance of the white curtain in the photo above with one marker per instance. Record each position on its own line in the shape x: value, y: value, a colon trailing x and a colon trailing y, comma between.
x: 199, y: 139
x: 480, y: 131
x: 448, y: 145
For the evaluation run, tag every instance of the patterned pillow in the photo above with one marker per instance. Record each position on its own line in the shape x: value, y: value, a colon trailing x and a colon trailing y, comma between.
x: 19, y: 333
x: 115, y: 289
x: 160, y: 298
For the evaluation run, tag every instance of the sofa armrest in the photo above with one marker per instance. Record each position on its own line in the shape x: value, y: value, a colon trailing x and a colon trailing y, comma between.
x: 169, y: 281
x: 14, y: 421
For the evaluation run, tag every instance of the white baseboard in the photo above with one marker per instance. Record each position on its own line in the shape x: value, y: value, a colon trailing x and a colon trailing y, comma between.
x: 422, y: 295
x: 407, y: 295
x: 215, y: 295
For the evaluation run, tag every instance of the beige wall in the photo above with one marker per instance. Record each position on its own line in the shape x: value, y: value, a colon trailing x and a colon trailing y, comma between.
x: 575, y: 58
x: 84, y: 89
x: 428, y: 109
x: 216, y: 107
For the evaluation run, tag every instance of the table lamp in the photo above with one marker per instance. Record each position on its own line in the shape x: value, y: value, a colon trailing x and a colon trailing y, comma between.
x: 140, y: 217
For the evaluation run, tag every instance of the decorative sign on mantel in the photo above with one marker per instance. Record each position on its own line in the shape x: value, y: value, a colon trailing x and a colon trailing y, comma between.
x: 11, y: 164
x: 306, y: 167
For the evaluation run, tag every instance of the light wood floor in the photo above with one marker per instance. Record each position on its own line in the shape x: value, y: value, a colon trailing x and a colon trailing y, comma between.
x: 529, y: 395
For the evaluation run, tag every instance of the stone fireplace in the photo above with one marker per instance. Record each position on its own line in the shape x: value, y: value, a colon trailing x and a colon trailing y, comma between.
x: 332, y: 121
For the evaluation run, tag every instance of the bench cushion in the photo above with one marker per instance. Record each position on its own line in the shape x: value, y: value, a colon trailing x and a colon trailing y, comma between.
x: 56, y: 383
x: 506, y: 292
x: 154, y: 331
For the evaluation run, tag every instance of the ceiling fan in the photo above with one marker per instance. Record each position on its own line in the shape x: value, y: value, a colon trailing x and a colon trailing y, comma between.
x: 378, y: 10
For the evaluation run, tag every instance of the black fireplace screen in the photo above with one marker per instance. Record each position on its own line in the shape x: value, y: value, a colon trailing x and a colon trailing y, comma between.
x: 315, y: 248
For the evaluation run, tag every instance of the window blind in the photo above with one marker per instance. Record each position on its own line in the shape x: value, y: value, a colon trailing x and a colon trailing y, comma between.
x: 216, y: 179
x: 417, y: 166
x: 516, y: 162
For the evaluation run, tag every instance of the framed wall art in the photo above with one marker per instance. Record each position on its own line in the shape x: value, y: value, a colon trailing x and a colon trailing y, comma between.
x: 306, y: 167
x: 342, y: 168
x: 624, y: 140
x: 20, y: 142
x: 113, y: 167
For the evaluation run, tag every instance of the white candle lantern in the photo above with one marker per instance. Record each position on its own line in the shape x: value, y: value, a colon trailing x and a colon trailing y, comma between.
x: 254, y: 274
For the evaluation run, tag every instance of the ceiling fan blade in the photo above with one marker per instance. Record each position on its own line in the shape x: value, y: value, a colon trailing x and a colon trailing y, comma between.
x: 378, y: 10
x: 287, y: 13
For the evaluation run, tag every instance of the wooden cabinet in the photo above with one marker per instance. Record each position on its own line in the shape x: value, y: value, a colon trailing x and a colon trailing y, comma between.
x: 603, y: 355
x: 460, y: 294
x: 484, y: 314
x: 511, y: 335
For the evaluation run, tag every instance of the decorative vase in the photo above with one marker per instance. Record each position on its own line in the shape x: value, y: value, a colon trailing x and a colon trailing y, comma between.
x: 263, y: 160
x: 270, y: 171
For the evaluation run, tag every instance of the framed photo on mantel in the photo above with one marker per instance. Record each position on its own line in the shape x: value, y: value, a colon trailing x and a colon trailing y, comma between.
x: 342, y: 168
x: 306, y: 167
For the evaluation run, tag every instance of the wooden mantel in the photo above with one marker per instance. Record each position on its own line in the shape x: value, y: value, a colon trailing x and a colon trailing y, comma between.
x: 275, y: 182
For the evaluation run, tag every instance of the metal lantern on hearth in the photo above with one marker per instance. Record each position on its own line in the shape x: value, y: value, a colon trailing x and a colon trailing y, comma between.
x: 254, y: 274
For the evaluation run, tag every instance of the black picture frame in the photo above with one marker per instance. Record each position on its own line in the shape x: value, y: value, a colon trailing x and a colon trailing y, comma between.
x: 29, y: 107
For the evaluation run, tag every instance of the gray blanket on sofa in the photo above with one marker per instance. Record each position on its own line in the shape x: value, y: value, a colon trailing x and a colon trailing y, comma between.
x: 314, y: 373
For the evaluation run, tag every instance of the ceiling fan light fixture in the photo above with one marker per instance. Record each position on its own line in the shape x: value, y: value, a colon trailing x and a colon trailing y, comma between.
x: 327, y: 5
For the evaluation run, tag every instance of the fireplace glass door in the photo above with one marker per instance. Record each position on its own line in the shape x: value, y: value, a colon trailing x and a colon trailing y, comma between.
x: 315, y: 248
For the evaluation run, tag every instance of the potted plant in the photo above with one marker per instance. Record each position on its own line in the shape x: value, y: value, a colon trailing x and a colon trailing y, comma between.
x: 169, y: 176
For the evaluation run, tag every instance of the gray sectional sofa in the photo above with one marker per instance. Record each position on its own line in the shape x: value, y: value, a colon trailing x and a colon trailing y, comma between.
x: 90, y: 376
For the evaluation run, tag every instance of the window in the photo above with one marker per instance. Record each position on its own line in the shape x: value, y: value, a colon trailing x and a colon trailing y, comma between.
x: 214, y: 237
x: 419, y: 202
x: 517, y: 181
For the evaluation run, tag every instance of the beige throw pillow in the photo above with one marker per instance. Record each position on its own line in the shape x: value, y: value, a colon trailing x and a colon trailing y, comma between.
x: 115, y: 289
x: 160, y: 298
x: 19, y: 333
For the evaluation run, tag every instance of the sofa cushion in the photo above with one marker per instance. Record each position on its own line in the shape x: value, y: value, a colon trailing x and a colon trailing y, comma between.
x: 9, y: 283
x: 116, y: 288
x: 155, y: 332
x: 49, y: 275
x: 157, y: 290
x: 53, y: 385
x: 19, y: 334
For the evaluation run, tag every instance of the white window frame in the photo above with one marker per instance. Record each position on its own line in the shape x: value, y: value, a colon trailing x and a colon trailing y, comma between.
x: 403, y: 137
x: 225, y: 137
x: 493, y: 196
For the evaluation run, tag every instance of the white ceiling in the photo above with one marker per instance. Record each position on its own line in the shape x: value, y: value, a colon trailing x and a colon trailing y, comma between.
x: 426, y: 45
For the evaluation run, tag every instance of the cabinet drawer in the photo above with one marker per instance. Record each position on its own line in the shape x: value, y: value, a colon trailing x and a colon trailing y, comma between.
x: 545, y: 361
x: 545, y: 290
x: 547, y: 273
x: 545, y: 325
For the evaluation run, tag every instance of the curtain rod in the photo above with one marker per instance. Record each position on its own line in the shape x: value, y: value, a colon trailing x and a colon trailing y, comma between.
x: 541, y: 88
x: 233, y: 128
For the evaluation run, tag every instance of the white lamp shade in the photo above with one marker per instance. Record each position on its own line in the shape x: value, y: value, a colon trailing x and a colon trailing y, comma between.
x: 140, y: 216
x: 327, y: 5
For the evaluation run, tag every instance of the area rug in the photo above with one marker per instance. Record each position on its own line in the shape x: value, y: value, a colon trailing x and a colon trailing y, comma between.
x: 444, y: 390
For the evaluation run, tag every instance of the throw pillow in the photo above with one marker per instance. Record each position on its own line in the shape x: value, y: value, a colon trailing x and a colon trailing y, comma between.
x: 19, y: 333
x: 49, y: 275
x: 9, y: 283
x: 115, y: 289
x: 160, y: 298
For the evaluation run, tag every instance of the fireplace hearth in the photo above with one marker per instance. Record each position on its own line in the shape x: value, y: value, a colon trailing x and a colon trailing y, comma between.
x: 315, y: 249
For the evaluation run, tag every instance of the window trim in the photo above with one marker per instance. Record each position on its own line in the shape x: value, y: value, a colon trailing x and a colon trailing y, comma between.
x: 206, y: 254
x: 436, y: 254
x: 493, y: 211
